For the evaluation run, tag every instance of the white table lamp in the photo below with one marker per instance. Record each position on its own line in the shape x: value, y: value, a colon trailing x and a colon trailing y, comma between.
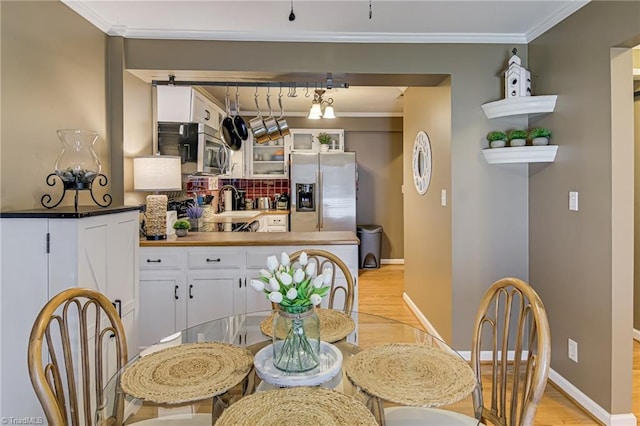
x: 157, y: 173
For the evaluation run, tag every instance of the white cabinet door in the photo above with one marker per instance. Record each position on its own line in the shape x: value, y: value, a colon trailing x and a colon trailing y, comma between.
x: 306, y: 140
x: 210, y: 295
x: 122, y: 267
x: 161, y: 294
x: 255, y: 301
x: 267, y: 160
x: 174, y: 103
x: 204, y: 111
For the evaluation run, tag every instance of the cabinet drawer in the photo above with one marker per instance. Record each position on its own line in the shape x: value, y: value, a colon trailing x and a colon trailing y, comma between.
x: 277, y: 228
x: 277, y: 220
x: 215, y: 260
x: 161, y: 261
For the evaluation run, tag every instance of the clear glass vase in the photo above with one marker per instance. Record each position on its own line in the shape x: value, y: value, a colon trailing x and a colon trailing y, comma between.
x: 296, y: 339
x: 78, y: 161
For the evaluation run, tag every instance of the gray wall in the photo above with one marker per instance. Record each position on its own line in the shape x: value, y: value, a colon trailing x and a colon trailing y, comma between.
x: 572, y: 253
x: 636, y: 248
x: 53, y: 77
x: 428, y: 259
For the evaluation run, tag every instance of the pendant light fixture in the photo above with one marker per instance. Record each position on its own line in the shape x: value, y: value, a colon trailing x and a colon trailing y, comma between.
x: 321, y: 108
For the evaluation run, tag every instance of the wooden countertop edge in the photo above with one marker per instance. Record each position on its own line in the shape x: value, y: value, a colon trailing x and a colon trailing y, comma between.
x: 207, y: 239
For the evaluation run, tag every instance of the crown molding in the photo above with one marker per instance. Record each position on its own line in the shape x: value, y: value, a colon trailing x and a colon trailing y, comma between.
x: 334, y: 37
x: 553, y: 20
x: 87, y: 13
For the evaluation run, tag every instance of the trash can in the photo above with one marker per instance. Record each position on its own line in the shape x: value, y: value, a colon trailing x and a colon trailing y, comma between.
x: 370, y: 241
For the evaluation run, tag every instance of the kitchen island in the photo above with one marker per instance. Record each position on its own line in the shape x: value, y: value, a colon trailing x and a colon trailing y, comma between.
x: 185, y: 281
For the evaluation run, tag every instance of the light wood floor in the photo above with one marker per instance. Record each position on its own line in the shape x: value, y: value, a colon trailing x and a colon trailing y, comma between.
x: 380, y: 292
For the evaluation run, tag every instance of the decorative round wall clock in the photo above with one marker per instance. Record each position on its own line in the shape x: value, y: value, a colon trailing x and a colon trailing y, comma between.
x: 421, y: 162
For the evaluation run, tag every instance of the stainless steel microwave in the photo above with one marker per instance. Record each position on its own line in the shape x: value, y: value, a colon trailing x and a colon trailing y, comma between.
x: 198, y: 145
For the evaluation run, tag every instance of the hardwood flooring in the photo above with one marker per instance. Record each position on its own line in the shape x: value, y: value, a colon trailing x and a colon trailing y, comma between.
x: 380, y: 292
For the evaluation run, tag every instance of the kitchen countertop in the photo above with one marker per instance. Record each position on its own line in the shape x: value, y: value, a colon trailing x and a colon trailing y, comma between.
x: 67, y: 212
x: 194, y: 239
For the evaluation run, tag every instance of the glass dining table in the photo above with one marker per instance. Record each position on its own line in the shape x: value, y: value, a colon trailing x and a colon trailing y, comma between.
x: 368, y: 333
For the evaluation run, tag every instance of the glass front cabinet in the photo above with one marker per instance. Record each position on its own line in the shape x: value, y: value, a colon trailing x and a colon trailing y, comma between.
x: 267, y: 160
x: 306, y: 140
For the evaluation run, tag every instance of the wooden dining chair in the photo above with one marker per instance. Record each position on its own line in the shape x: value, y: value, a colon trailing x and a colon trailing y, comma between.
x: 68, y: 352
x: 512, y: 329
x: 324, y: 259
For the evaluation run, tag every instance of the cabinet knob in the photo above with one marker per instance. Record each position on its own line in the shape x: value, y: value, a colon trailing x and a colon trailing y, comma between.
x: 154, y: 260
x: 175, y: 292
x: 208, y: 117
x: 190, y: 288
x: 213, y: 260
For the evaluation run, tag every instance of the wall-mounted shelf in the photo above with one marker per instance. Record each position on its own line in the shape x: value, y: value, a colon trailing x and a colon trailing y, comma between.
x: 521, y: 154
x: 527, y: 106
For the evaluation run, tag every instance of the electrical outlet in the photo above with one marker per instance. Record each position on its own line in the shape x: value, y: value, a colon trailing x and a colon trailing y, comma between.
x: 573, y: 350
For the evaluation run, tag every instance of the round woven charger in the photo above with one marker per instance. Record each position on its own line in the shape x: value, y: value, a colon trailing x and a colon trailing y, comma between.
x: 411, y: 374
x: 295, y: 407
x: 334, y: 325
x: 186, y: 373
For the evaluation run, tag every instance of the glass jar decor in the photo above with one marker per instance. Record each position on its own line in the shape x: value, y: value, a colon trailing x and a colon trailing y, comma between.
x: 296, y: 339
x: 77, y: 166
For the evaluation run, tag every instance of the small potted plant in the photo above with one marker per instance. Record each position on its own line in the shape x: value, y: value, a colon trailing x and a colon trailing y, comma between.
x: 181, y: 226
x: 325, y: 140
x: 539, y: 136
x: 517, y: 138
x: 497, y: 139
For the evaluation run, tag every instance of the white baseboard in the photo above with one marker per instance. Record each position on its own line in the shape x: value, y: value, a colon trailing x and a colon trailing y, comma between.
x: 392, y: 261
x: 636, y: 335
x: 576, y: 394
x: 423, y: 320
x: 591, y: 406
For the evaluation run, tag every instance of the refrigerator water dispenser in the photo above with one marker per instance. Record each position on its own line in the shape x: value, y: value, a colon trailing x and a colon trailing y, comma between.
x: 305, y: 193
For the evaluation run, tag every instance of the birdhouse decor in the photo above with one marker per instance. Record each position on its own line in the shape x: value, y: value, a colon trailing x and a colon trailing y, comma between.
x: 517, y: 79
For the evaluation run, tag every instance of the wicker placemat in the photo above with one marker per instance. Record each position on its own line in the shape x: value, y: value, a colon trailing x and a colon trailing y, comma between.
x: 334, y: 325
x: 295, y: 407
x: 188, y: 372
x: 411, y: 374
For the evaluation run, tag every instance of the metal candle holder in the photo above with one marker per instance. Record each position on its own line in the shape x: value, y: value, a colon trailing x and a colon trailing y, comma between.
x: 76, y: 186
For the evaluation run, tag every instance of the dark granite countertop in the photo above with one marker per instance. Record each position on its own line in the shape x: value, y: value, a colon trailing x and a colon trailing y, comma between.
x: 67, y: 212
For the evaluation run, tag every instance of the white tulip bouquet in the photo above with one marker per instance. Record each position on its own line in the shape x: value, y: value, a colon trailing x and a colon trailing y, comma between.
x: 291, y: 287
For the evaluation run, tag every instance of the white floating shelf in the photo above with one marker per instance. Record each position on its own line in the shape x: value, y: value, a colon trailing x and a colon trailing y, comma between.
x: 522, y: 105
x: 521, y: 154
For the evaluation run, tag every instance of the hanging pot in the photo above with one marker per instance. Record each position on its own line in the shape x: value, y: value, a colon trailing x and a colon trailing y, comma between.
x: 271, y: 124
x: 282, y: 123
x: 258, y: 128
x: 238, y: 122
x: 229, y: 134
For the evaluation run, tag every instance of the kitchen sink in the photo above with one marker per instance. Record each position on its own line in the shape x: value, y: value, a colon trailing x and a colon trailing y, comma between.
x: 238, y: 214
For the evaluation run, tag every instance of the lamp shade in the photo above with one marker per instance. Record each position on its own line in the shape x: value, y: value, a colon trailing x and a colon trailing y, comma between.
x: 315, y: 112
x: 157, y: 173
x: 329, y: 113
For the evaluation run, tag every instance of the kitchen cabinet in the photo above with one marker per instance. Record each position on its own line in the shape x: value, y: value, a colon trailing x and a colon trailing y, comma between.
x: 274, y: 223
x: 267, y: 160
x: 182, y: 288
x: 516, y: 113
x: 306, y: 140
x: 47, y: 251
x: 219, y: 279
x: 183, y: 104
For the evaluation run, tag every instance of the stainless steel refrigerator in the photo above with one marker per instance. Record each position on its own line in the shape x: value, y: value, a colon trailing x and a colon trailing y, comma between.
x: 323, y: 192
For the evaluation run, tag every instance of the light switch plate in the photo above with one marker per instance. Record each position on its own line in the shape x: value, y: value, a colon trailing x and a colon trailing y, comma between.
x: 573, y: 201
x: 443, y: 198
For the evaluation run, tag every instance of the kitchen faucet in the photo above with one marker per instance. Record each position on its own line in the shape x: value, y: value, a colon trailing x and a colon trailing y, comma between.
x: 220, y: 196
